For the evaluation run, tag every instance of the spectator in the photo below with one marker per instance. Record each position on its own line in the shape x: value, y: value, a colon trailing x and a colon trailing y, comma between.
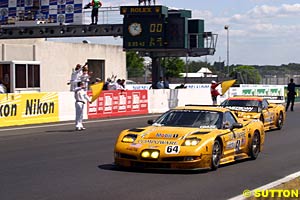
x: 106, y: 84
x: 119, y: 85
x: 3, y: 89
x: 160, y: 83
x: 75, y: 76
x: 123, y: 83
x: 96, y: 4
x: 214, y: 92
x: 85, y: 77
x: 166, y: 83
x: 291, y: 95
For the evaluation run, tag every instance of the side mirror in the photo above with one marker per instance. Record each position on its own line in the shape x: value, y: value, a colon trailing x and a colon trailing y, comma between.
x: 236, y: 125
x: 150, y: 121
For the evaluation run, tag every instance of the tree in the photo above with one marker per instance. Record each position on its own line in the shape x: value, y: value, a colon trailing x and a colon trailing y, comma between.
x: 134, y: 64
x: 246, y: 75
x: 195, y: 66
x: 173, y: 66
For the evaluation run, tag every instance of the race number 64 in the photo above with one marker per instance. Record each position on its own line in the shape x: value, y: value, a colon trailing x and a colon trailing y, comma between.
x: 172, y: 149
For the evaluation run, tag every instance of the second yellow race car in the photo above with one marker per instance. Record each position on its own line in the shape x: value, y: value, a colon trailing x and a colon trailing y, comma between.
x: 254, y: 107
x: 190, y: 137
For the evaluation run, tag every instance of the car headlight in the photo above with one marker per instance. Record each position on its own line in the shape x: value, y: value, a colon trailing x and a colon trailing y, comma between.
x: 150, y: 154
x: 191, y: 141
x: 130, y: 138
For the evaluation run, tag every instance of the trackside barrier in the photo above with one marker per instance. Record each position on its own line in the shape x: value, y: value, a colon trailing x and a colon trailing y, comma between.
x: 113, y: 103
x: 35, y: 108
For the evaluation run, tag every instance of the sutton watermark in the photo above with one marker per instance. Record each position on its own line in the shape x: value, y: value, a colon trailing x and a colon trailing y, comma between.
x: 272, y: 193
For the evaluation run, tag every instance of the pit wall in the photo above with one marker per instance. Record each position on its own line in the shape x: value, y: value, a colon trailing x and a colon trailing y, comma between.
x: 36, y: 108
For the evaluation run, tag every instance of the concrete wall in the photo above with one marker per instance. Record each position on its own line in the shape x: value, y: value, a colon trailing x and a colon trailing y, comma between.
x: 58, y: 59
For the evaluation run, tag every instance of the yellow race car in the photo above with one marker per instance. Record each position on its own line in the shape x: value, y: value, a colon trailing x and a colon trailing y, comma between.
x: 190, y: 137
x: 253, y: 107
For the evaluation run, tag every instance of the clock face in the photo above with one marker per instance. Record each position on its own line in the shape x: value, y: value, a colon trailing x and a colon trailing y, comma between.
x: 135, y: 29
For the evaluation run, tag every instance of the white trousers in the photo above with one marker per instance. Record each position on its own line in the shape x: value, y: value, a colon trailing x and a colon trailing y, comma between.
x: 79, y: 114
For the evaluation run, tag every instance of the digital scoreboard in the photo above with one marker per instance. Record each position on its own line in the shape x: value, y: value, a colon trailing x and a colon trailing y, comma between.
x: 144, y: 27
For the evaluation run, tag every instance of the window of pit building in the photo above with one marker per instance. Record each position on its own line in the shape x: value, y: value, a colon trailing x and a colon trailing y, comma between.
x: 27, y: 76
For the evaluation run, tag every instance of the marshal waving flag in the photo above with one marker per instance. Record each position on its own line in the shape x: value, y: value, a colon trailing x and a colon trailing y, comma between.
x: 96, y: 90
x: 226, y: 85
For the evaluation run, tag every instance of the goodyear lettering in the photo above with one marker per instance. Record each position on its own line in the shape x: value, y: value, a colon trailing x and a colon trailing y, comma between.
x: 8, y: 110
x: 35, y: 107
x: 162, y: 142
x: 140, y: 10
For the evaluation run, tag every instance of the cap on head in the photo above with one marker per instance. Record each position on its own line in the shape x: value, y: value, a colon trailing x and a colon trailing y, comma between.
x: 213, y: 82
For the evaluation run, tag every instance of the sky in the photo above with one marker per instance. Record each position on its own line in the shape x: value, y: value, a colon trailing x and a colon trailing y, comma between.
x: 261, y: 32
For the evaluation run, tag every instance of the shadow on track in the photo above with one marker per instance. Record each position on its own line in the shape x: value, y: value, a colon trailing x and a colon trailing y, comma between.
x: 113, y: 167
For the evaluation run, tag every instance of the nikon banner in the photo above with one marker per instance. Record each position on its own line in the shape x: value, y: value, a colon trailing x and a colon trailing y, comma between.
x: 34, y: 108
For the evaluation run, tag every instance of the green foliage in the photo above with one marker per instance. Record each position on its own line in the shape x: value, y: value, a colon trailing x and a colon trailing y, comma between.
x: 134, y: 64
x: 172, y: 66
x: 246, y: 74
x: 195, y: 66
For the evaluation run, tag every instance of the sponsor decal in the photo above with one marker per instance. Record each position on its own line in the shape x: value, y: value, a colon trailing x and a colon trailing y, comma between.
x: 208, y: 127
x: 161, y: 142
x: 19, y: 109
x: 162, y: 135
x: 243, y: 109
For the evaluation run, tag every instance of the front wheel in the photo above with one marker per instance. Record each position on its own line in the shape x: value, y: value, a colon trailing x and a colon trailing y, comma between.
x: 255, y: 146
x: 216, y: 155
x: 279, y: 122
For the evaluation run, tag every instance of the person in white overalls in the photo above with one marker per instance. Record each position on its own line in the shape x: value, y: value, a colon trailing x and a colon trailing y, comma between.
x: 81, y: 98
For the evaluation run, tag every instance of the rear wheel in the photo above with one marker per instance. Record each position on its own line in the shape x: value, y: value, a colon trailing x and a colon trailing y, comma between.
x: 255, y: 146
x: 279, y: 122
x: 216, y: 155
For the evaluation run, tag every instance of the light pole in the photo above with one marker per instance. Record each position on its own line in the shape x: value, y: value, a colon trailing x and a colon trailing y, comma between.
x: 226, y: 27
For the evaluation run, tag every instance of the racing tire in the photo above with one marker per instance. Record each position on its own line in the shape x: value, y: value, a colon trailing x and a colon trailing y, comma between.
x: 279, y: 122
x: 216, y: 155
x: 255, y: 146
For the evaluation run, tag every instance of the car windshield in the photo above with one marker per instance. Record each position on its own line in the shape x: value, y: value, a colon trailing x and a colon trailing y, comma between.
x: 191, y: 118
x: 241, y: 103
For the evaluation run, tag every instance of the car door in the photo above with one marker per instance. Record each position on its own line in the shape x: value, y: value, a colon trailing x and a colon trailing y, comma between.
x: 234, y: 140
x: 268, y: 113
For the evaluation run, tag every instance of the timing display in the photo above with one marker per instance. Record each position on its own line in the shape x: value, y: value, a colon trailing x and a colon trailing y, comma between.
x: 146, y: 32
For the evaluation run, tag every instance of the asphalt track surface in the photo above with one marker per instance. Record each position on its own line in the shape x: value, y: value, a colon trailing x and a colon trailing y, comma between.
x: 54, y: 162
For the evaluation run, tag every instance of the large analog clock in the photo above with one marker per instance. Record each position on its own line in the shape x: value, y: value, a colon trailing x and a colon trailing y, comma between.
x: 135, y: 29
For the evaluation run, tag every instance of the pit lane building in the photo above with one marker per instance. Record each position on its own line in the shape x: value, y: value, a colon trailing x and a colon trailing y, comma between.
x: 38, y: 65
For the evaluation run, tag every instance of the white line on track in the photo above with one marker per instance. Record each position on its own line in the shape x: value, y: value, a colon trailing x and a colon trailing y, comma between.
x: 270, y: 185
x: 72, y: 123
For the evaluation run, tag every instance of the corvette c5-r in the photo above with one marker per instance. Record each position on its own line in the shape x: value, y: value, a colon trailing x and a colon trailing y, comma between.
x: 252, y: 107
x: 190, y: 137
